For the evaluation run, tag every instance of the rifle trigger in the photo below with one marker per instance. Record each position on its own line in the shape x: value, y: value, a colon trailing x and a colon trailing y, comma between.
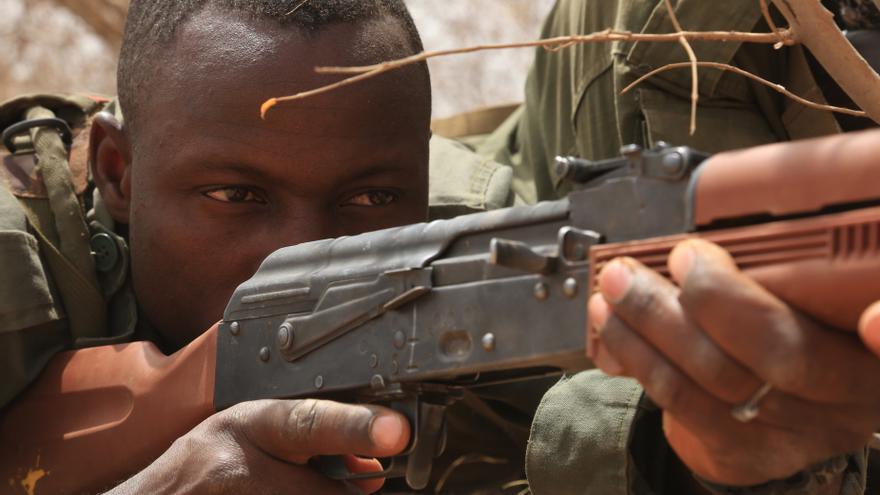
x: 429, y: 444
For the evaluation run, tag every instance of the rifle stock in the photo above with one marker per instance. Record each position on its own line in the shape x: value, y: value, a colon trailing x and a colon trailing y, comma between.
x: 97, y: 416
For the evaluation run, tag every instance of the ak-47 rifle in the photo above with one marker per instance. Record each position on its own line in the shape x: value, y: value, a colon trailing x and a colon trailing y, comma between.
x: 410, y: 316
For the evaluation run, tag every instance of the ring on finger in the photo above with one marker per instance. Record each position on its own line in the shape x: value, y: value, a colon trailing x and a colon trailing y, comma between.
x: 750, y: 409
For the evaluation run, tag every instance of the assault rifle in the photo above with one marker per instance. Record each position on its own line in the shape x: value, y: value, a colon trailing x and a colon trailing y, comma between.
x: 409, y: 317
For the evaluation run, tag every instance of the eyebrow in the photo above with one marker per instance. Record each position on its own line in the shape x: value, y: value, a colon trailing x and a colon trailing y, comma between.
x: 256, y: 174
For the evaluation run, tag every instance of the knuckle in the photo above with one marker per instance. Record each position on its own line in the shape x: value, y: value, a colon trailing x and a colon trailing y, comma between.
x: 231, y: 420
x: 645, y: 301
x: 303, y: 420
x: 666, y: 387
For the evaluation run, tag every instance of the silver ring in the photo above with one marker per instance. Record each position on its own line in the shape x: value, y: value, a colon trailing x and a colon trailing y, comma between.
x: 748, y: 411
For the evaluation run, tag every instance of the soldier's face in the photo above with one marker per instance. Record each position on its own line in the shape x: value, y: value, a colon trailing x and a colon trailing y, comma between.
x: 215, y: 189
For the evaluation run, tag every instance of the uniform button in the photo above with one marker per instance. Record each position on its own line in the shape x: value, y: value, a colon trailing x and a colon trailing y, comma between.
x: 105, y: 251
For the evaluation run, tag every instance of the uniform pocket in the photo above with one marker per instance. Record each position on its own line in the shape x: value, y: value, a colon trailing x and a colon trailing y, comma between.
x: 25, y: 297
x: 719, y: 128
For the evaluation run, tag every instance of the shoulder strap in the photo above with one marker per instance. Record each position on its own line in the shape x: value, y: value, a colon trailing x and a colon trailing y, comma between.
x: 61, y: 228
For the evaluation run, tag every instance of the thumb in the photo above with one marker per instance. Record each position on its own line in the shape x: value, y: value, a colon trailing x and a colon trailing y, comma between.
x: 297, y: 430
x: 869, y: 328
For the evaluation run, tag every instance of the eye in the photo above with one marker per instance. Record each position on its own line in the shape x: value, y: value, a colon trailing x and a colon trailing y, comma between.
x: 235, y: 194
x: 373, y: 198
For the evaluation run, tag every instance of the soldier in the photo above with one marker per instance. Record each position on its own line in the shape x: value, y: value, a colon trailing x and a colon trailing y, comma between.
x: 203, y: 190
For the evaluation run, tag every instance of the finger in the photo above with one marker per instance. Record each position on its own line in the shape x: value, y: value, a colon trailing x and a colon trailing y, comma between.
x: 869, y: 328
x: 767, y: 336
x: 357, y: 465
x: 712, y: 439
x: 297, y: 430
x: 668, y: 387
x: 649, y: 305
x: 598, y: 311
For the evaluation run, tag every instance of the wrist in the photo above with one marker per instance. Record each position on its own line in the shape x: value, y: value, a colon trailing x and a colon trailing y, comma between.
x: 827, y: 478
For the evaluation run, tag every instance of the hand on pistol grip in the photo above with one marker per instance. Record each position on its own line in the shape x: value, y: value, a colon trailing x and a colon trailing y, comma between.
x: 265, y: 447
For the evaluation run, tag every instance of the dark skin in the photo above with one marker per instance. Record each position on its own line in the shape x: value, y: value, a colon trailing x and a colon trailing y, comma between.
x: 208, y: 190
x: 707, y: 340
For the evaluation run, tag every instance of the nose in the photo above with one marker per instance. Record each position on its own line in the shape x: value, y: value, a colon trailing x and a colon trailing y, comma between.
x: 304, y: 225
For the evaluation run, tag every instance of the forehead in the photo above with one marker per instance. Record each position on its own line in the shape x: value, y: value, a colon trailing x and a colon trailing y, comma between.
x: 222, y: 65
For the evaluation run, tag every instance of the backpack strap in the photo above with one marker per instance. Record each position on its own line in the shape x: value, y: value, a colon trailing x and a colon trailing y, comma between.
x: 61, y: 227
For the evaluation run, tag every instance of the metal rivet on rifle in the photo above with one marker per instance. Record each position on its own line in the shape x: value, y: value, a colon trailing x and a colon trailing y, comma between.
x: 264, y: 354
x: 234, y: 328
x: 285, y: 336
x: 319, y: 381
x: 489, y: 342
x: 570, y: 287
x: 377, y: 382
x: 673, y: 163
x: 542, y: 291
x: 374, y: 361
x: 399, y: 339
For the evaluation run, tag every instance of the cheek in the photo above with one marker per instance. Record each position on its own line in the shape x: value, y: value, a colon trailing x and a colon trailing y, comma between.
x: 184, y: 268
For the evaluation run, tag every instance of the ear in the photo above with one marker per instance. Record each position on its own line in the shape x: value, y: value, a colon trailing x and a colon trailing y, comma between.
x: 110, y: 160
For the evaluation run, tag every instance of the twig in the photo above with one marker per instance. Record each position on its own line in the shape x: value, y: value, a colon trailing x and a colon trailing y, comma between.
x: 298, y: 6
x: 366, y: 72
x: 514, y: 484
x: 465, y: 459
x: 765, y: 9
x: 777, y: 87
x: 813, y: 26
x: 695, y: 77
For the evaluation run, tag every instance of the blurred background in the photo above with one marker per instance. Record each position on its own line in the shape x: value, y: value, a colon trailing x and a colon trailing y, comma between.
x: 71, y: 45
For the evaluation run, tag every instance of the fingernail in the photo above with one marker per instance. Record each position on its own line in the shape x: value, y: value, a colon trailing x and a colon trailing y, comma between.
x: 386, y: 431
x: 681, y: 261
x: 869, y: 328
x: 597, y: 311
x: 614, y: 281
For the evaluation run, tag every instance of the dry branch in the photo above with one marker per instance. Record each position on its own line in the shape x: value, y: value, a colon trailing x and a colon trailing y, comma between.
x: 695, y: 77
x: 809, y: 23
x: 776, y: 87
x: 368, y: 71
x: 813, y: 25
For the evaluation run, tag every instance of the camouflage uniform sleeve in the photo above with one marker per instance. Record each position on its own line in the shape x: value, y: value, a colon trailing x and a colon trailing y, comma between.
x: 462, y: 182
x: 31, y: 329
x: 580, y: 436
x: 851, y: 470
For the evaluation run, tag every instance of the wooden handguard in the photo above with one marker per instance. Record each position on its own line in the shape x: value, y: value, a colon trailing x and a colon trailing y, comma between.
x: 828, y: 266
x: 825, y: 264
x: 97, y: 416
